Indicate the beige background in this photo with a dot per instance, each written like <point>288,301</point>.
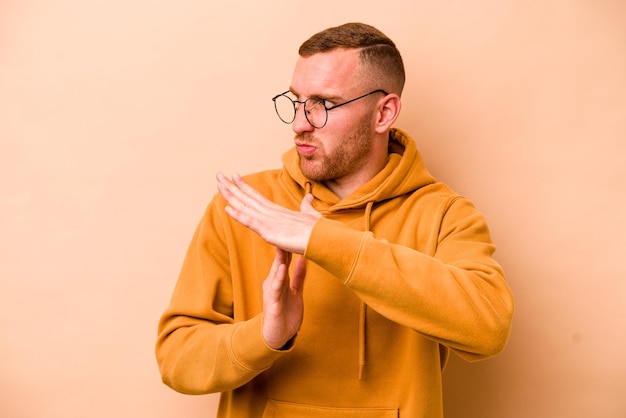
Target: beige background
<point>115,116</point>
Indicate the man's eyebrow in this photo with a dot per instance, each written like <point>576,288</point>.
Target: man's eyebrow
<point>317,96</point>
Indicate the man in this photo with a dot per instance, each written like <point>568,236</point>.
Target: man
<point>337,285</point>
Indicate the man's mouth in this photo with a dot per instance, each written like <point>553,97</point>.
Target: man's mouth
<point>305,149</point>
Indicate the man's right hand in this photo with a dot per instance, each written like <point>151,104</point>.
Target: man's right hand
<point>283,307</point>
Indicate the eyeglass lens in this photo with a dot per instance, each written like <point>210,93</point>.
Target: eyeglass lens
<point>314,110</point>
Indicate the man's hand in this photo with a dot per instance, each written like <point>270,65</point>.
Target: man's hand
<point>282,300</point>
<point>286,229</point>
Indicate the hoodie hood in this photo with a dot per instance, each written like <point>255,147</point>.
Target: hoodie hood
<point>404,173</point>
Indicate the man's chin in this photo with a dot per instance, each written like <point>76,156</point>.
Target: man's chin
<point>312,173</point>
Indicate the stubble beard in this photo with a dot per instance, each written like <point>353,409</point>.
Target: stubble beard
<point>347,158</point>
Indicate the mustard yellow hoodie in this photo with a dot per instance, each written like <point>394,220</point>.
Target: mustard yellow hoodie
<point>398,273</point>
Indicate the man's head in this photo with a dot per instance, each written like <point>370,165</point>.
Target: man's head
<point>343,99</point>
<point>379,59</point>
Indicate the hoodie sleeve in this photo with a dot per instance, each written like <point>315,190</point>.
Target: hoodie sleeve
<point>452,291</point>
<point>200,347</point>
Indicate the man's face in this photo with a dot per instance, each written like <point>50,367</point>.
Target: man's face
<point>339,151</point>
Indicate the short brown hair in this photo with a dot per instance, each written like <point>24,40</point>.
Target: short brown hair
<point>377,52</point>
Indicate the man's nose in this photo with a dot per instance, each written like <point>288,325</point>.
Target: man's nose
<point>301,123</point>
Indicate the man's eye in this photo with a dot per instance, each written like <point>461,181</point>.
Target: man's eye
<point>316,103</point>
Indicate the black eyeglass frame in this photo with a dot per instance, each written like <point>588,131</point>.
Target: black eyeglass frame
<point>295,109</point>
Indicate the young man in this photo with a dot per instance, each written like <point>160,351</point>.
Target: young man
<point>337,285</point>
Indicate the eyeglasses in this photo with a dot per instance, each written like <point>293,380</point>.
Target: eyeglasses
<point>315,109</point>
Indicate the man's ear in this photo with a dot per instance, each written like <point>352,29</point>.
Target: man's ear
<point>388,111</point>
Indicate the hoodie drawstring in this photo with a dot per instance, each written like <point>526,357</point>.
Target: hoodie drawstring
<point>363,308</point>
<point>362,315</point>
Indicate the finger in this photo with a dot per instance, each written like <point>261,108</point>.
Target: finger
<point>279,282</point>
<point>279,258</point>
<point>281,279</point>
<point>222,185</point>
<point>239,206</point>
<point>231,192</point>
<point>297,281</point>
<point>275,284</point>
<point>306,206</point>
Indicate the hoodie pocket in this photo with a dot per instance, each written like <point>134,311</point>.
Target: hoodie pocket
<point>279,409</point>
